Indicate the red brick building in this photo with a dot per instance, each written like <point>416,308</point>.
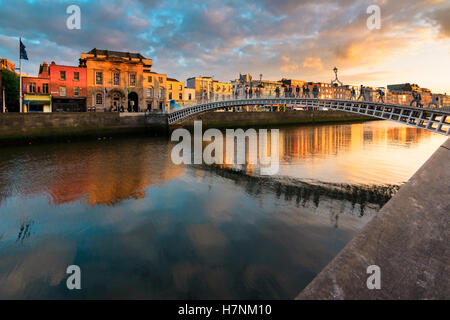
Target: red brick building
<point>67,87</point>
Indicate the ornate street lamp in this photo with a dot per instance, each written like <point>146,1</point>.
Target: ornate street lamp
<point>336,80</point>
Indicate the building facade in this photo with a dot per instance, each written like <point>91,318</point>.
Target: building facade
<point>155,85</point>
<point>67,87</point>
<point>175,90</point>
<point>245,83</point>
<point>115,80</point>
<point>8,65</point>
<point>207,89</point>
<point>36,93</point>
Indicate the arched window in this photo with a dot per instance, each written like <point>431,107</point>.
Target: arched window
<point>99,98</point>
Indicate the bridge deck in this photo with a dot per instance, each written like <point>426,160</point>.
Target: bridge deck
<point>432,119</point>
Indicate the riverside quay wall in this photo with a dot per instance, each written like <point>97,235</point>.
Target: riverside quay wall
<point>17,127</point>
<point>221,119</point>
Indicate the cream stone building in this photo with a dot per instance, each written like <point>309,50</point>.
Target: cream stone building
<point>122,81</point>
<point>206,88</point>
<point>155,88</point>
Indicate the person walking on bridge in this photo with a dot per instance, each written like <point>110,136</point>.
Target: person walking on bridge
<point>353,94</point>
<point>307,92</point>
<point>416,99</point>
<point>297,91</point>
<point>362,93</point>
<point>380,96</point>
<point>315,92</point>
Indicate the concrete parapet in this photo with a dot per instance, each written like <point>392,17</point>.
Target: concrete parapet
<point>409,239</point>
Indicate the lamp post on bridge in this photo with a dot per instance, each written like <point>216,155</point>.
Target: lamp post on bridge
<point>336,83</point>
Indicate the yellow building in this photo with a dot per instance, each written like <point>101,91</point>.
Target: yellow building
<point>155,87</point>
<point>222,90</point>
<point>206,88</point>
<point>34,102</point>
<point>175,90</point>
<point>115,80</point>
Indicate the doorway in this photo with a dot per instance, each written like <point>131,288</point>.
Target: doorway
<point>133,102</point>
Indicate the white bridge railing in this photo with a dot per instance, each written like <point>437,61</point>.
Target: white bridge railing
<point>429,118</point>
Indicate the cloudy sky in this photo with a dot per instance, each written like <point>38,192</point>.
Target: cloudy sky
<point>299,39</point>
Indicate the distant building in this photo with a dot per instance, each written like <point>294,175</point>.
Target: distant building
<point>402,93</point>
<point>175,90</point>
<point>245,82</point>
<point>189,96</point>
<point>8,65</point>
<point>407,87</point>
<point>206,88</point>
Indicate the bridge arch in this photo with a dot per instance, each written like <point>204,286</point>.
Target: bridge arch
<point>431,119</point>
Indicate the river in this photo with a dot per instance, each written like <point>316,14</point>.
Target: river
<point>139,226</point>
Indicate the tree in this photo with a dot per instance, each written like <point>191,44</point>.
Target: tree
<point>10,82</point>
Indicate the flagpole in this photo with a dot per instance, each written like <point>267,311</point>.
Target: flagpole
<point>4,102</point>
<point>20,80</point>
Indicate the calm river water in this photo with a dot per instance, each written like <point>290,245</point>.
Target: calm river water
<point>139,226</point>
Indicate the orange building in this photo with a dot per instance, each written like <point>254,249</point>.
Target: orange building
<point>115,80</point>
<point>8,65</point>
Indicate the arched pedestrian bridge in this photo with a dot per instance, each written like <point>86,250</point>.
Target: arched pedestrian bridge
<point>432,119</point>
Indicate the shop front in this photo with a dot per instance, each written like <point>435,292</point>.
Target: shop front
<point>37,103</point>
<point>69,104</point>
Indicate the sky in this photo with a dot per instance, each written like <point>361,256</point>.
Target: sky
<point>295,39</point>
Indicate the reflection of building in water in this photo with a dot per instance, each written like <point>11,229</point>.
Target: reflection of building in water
<point>103,173</point>
<point>328,140</point>
<point>320,141</point>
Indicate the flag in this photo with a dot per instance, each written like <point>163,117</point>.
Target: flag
<point>23,53</point>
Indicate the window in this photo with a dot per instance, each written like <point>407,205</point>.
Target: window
<point>190,96</point>
<point>132,79</point>
<point>98,78</point>
<point>32,87</point>
<point>116,78</point>
<point>149,92</point>
<point>76,91</point>
<point>170,86</point>
<point>170,96</point>
<point>62,91</point>
<point>150,79</point>
<point>160,79</point>
<point>45,88</point>
<point>99,98</point>
<point>62,75</point>
<point>181,87</point>
<point>76,76</point>
<point>180,96</point>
